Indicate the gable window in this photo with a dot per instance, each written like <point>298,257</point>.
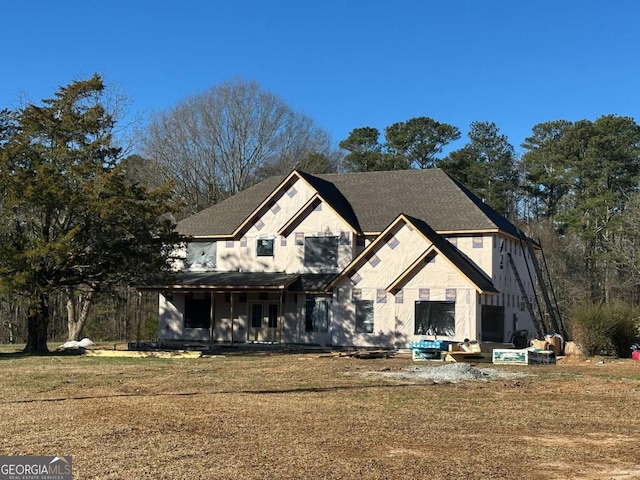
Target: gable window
<point>321,252</point>
<point>264,247</point>
<point>364,316</point>
<point>435,318</point>
<point>316,314</point>
<point>201,256</point>
<point>197,310</point>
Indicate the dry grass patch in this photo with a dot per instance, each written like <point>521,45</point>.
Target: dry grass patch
<point>301,416</point>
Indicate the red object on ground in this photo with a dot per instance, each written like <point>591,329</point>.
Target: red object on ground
<point>636,355</point>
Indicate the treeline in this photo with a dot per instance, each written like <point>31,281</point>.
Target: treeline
<point>70,192</point>
<point>121,315</point>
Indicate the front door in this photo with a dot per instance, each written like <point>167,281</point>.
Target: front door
<point>263,326</point>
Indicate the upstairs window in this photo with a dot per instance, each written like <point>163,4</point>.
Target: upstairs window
<point>264,247</point>
<point>321,252</point>
<point>201,256</point>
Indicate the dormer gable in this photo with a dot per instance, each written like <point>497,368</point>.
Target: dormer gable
<point>435,245</point>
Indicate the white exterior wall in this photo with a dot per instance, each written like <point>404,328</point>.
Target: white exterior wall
<point>321,222</point>
<point>343,328</point>
<point>171,321</point>
<point>375,276</point>
<point>241,255</point>
<point>504,279</point>
<point>222,318</point>
<point>394,322</point>
<point>482,256</point>
<point>295,321</point>
<point>287,256</point>
<point>438,276</point>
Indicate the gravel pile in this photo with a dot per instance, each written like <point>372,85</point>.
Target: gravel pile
<point>452,373</point>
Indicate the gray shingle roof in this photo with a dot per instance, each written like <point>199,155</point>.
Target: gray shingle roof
<point>431,195</point>
<point>224,217</point>
<point>369,201</point>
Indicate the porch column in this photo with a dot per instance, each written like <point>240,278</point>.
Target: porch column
<point>231,315</point>
<point>281,308</point>
<point>212,316</point>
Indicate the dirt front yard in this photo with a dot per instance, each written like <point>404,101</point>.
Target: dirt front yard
<point>283,416</point>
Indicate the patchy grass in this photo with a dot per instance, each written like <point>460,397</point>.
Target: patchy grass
<point>304,416</point>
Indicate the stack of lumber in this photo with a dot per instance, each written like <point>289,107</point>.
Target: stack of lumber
<point>468,351</point>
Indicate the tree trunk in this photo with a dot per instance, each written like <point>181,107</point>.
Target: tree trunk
<point>37,327</point>
<point>77,320</point>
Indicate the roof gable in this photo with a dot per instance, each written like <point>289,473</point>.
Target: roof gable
<point>436,245</point>
<point>459,261</point>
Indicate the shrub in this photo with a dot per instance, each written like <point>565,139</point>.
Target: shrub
<point>608,329</point>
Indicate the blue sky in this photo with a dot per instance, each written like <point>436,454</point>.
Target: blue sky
<point>346,64</point>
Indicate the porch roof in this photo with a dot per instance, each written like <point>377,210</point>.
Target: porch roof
<point>227,281</point>
<point>312,283</point>
<point>244,281</point>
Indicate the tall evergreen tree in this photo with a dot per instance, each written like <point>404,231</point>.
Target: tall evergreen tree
<point>367,154</point>
<point>486,165</point>
<point>419,140</point>
<point>75,221</point>
<point>411,144</point>
<point>584,173</point>
<point>546,174</point>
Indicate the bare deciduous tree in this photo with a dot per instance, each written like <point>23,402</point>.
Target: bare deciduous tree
<point>217,143</point>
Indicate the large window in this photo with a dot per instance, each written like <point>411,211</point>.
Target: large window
<point>321,252</point>
<point>364,316</point>
<point>197,310</point>
<point>201,256</point>
<point>435,318</point>
<point>316,314</point>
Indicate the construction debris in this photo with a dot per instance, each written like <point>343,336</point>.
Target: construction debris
<point>468,351</point>
<point>369,354</point>
<point>143,354</point>
<point>451,373</point>
<point>526,356</point>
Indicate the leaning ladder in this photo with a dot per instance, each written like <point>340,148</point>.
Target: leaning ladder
<point>553,318</point>
<point>537,322</point>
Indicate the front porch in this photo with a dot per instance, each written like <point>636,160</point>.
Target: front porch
<point>228,308</point>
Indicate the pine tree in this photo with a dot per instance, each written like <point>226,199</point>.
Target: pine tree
<point>73,222</point>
